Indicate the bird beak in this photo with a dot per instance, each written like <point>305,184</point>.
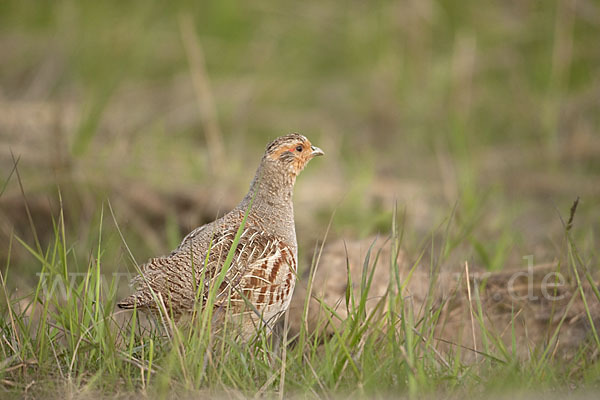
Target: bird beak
<point>316,151</point>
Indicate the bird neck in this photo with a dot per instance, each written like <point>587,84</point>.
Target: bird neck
<point>270,187</point>
<point>271,197</point>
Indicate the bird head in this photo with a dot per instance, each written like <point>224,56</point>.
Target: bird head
<point>291,153</point>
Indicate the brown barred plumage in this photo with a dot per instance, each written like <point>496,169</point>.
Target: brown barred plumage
<point>259,283</point>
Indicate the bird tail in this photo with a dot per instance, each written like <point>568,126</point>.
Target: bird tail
<point>128,303</point>
<point>138,299</point>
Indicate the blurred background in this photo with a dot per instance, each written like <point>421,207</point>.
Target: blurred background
<point>479,120</point>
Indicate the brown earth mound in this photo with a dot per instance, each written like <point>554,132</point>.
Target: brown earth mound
<point>540,308</point>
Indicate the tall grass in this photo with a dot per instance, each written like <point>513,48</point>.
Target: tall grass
<point>494,103</point>
<point>66,336</point>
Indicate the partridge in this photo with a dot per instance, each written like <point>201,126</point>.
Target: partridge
<point>260,279</point>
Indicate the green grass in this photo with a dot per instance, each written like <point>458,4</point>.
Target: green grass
<point>483,111</point>
<point>66,337</point>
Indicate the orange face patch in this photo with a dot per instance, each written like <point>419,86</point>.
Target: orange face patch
<point>291,149</point>
<point>289,154</point>
<point>304,154</point>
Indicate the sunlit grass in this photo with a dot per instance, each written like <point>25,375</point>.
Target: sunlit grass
<point>66,334</point>
<point>479,119</point>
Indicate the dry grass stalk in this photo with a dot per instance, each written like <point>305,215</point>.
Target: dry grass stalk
<point>201,81</point>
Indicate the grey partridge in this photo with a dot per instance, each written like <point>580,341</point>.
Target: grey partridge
<point>259,282</point>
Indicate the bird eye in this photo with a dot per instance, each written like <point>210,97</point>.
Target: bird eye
<point>299,148</point>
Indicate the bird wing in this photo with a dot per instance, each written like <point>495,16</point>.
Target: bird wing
<point>262,267</point>
<point>189,272</point>
<point>198,232</point>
